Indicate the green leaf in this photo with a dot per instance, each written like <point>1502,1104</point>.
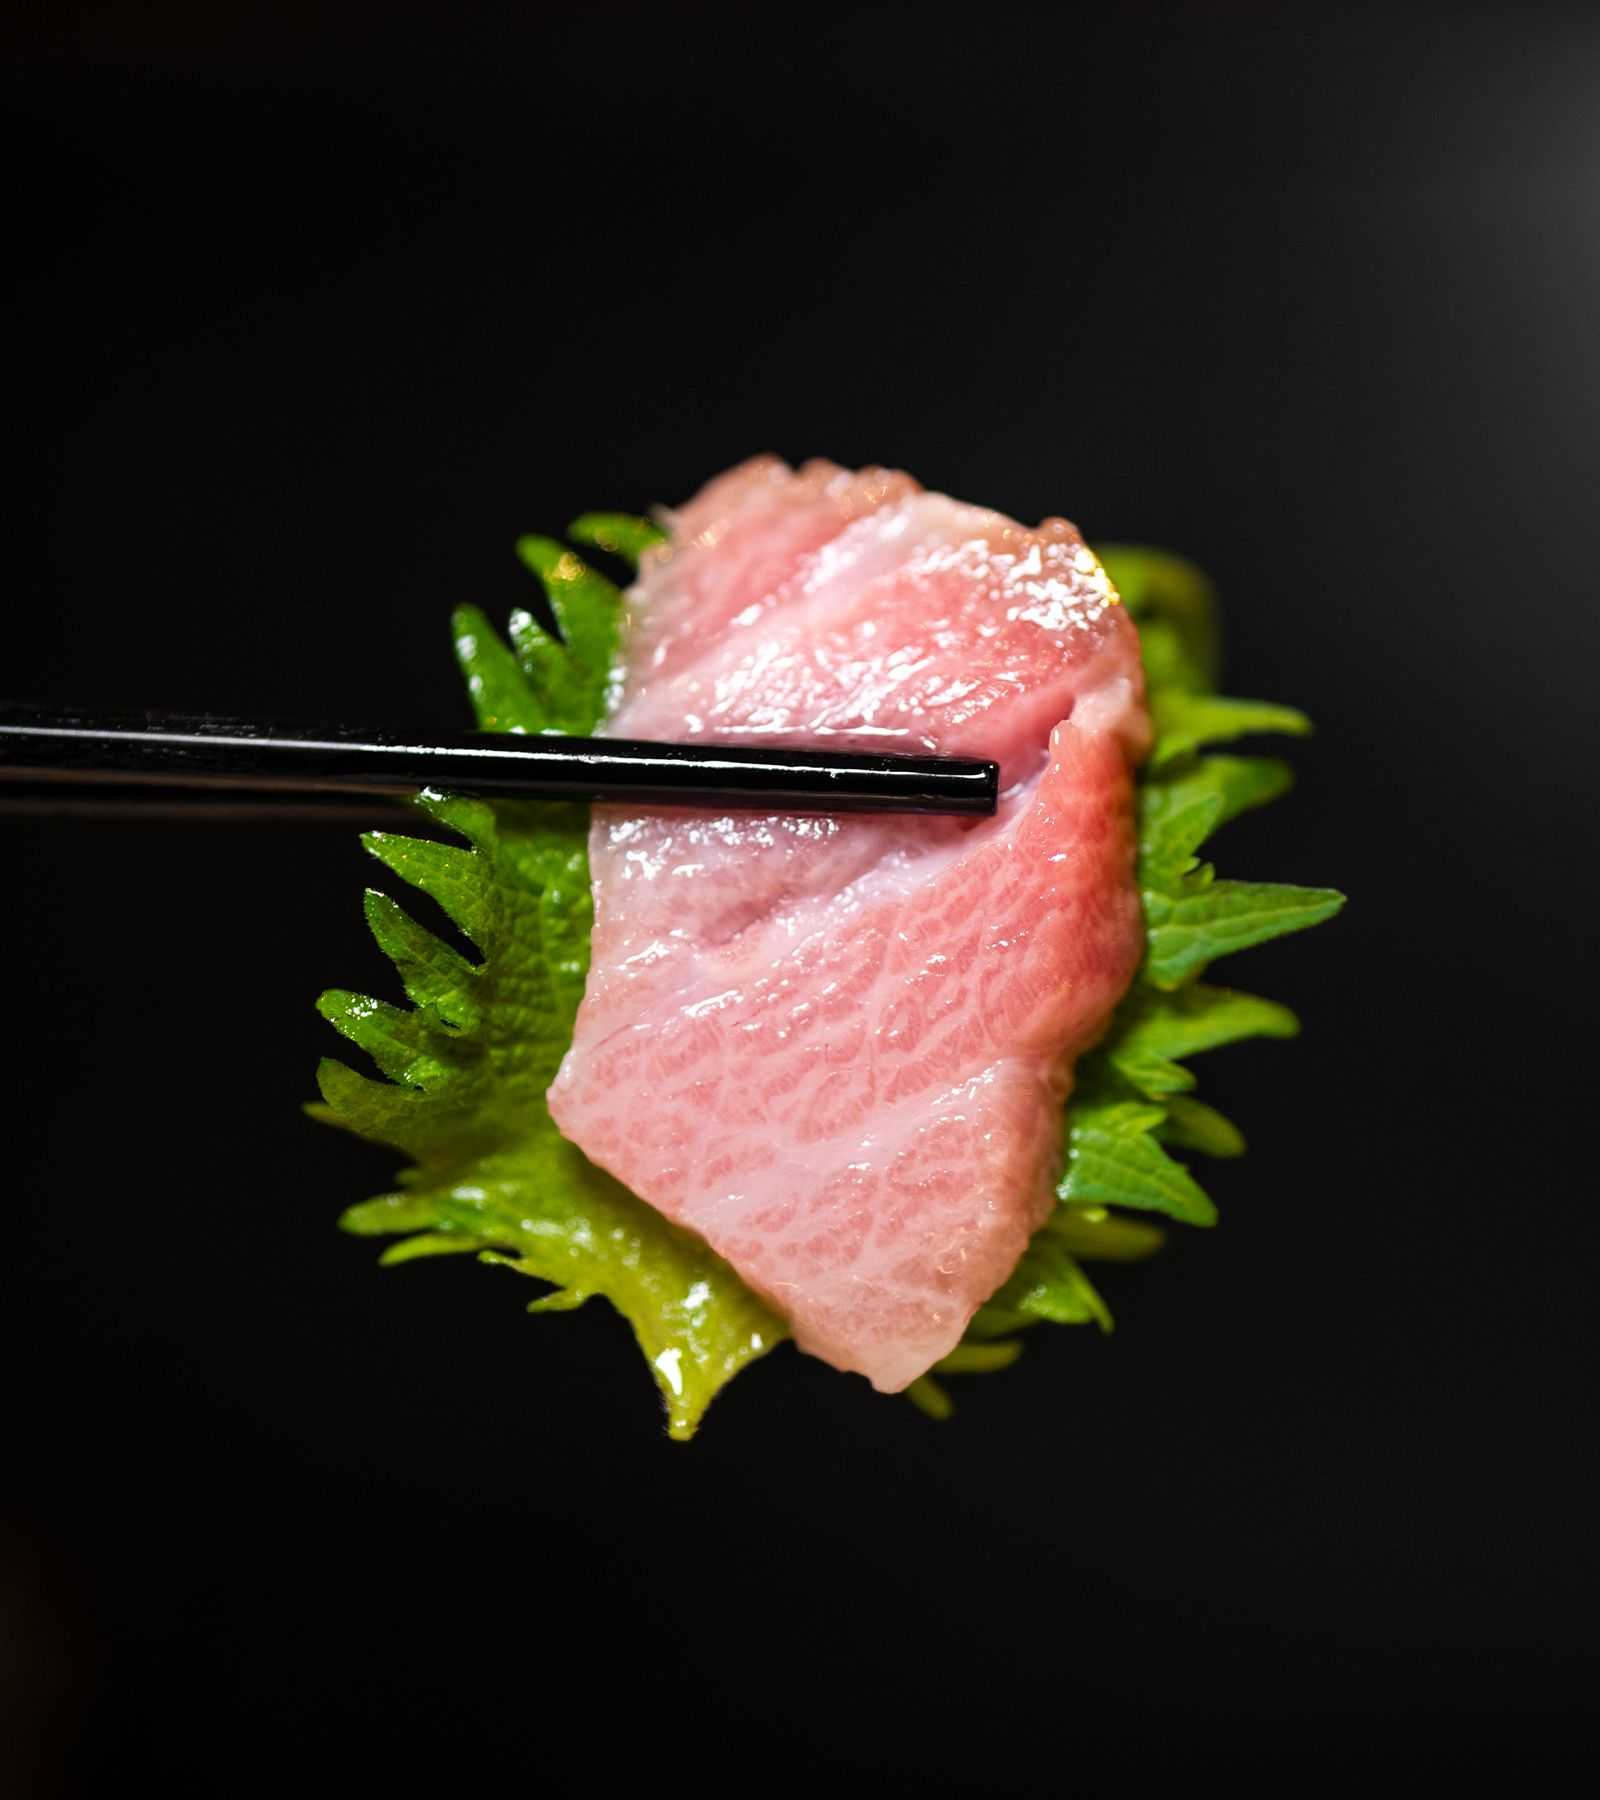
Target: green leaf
<point>1198,1018</point>
<point>388,1213</point>
<point>1184,721</point>
<point>426,1244</point>
<point>622,534</point>
<point>406,1043</point>
<point>1092,1234</point>
<point>1153,1030</point>
<point>445,873</point>
<point>1114,1159</point>
<point>1048,1284</point>
<point>929,1396</point>
<point>496,685</point>
<point>1175,607</point>
<point>570,680</point>
<point>432,974</point>
<point>1192,1125</point>
<point>1179,811</point>
<point>979,1359</point>
<point>1207,919</point>
<point>468,1062</point>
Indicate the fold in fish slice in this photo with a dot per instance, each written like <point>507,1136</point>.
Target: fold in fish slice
<point>837,1047</point>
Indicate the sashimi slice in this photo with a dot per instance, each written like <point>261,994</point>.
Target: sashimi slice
<point>838,1047</point>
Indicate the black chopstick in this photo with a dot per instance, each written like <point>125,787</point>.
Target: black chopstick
<point>52,744</point>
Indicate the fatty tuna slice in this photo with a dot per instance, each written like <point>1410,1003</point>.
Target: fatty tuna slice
<point>838,1047</point>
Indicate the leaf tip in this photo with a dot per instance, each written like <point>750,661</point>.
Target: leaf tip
<point>930,1398</point>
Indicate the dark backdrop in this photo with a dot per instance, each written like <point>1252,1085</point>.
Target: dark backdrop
<point>309,323</point>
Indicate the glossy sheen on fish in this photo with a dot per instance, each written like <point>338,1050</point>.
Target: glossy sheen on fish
<point>837,1047</point>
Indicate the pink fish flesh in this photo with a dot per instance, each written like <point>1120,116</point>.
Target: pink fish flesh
<point>837,1047</point>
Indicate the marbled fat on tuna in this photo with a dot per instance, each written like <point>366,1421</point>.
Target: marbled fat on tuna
<point>837,1048</point>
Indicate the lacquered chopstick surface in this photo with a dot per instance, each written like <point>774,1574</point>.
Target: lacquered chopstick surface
<point>60,744</point>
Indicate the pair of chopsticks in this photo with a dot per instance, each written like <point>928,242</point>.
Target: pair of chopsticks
<point>278,768</point>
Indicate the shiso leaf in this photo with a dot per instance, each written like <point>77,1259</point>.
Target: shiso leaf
<point>1192,1125</point>
<point>569,678</point>
<point>433,975</point>
<point>1094,1235</point>
<point>980,1359</point>
<point>466,1065</point>
<point>621,534</point>
<point>1186,721</point>
<point>468,1062</point>
<point>1047,1284</point>
<point>496,684</point>
<point>1204,918</point>
<point>1115,1159</point>
<point>1154,1029</point>
<point>930,1397</point>
<point>1178,814</point>
<point>1174,605</point>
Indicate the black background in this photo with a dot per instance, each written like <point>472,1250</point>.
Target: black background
<point>312,319</point>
